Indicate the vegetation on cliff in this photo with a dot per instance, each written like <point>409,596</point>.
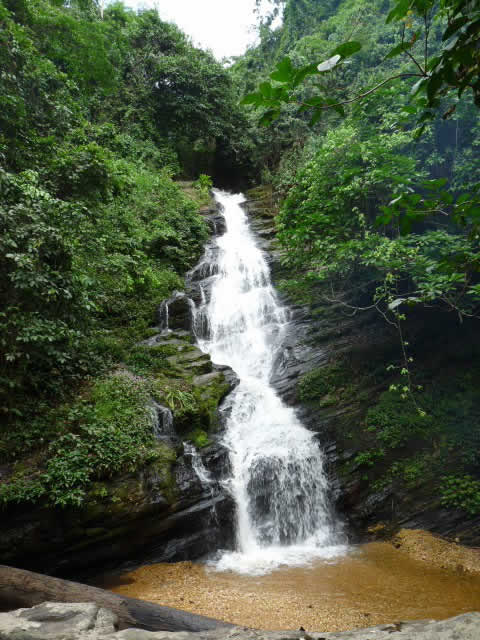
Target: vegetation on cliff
<point>372,151</point>
<point>99,113</point>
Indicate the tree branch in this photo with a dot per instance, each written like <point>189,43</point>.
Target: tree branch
<point>362,95</point>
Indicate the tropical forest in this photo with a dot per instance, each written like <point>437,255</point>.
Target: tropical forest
<point>239,323</point>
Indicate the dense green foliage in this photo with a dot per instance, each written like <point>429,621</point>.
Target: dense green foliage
<point>107,431</point>
<point>362,198</point>
<point>454,65</point>
<point>378,201</point>
<point>98,115</point>
<point>101,112</point>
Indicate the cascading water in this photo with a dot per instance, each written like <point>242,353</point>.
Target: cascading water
<point>202,473</point>
<point>278,482</point>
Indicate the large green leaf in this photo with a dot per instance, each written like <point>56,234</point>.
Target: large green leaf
<point>266,89</point>
<point>303,73</point>
<point>268,117</point>
<point>347,49</point>
<point>284,71</point>
<point>316,117</point>
<point>253,98</point>
<point>399,10</point>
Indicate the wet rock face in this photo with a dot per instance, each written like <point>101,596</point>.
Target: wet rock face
<point>353,351</point>
<point>199,285</point>
<point>144,518</point>
<point>297,356</point>
<point>176,312</point>
<point>214,218</point>
<point>162,512</point>
<point>363,493</point>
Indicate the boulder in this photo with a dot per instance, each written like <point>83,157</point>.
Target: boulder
<point>58,621</point>
<point>176,312</point>
<point>88,621</point>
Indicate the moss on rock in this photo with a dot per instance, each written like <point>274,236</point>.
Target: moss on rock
<point>106,431</point>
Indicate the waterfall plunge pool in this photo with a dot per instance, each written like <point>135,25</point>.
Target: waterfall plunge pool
<point>278,483</point>
<point>372,584</point>
<point>291,566</point>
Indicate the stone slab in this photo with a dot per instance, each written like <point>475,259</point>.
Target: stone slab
<point>87,621</point>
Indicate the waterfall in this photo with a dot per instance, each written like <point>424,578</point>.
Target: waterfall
<point>278,481</point>
<point>162,422</point>
<point>163,316</point>
<point>204,476</point>
<point>202,473</point>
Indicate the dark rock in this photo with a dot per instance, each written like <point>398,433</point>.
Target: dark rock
<point>215,220</point>
<point>229,375</point>
<point>297,356</point>
<point>320,336</point>
<point>176,312</point>
<point>148,516</point>
<point>208,265</point>
<point>162,512</point>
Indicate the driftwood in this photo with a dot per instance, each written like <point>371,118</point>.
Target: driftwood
<point>19,588</point>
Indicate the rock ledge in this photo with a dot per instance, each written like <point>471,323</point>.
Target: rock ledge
<point>88,621</point>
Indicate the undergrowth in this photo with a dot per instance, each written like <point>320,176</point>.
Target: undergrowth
<point>107,430</point>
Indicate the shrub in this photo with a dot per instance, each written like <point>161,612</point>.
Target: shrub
<point>107,432</point>
<point>88,172</point>
<point>461,492</point>
<point>396,421</point>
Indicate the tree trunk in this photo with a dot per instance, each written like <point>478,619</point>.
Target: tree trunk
<point>19,588</point>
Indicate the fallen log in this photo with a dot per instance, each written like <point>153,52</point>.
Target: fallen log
<point>20,588</point>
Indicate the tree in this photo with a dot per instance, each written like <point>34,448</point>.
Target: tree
<point>354,214</point>
<point>453,67</point>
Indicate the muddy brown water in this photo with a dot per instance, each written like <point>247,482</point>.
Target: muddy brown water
<point>373,584</point>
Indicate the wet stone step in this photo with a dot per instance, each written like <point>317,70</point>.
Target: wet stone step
<point>190,355</point>
<point>208,378</point>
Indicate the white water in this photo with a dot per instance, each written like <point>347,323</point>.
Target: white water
<point>202,473</point>
<point>278,482</point>
<point>162,422</point>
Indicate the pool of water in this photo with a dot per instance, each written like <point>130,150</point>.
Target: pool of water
<point>372,584</point>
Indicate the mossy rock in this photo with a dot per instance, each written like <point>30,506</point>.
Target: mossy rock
<point>429,443</point>
<point>326,385</point>
<point>192,362</point>
<point>199,438</point>
<point>210,397</point>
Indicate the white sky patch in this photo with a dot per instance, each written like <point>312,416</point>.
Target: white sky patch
<point>224,26</point>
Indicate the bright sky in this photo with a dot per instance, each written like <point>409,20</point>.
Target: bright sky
<point>224,26</point>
